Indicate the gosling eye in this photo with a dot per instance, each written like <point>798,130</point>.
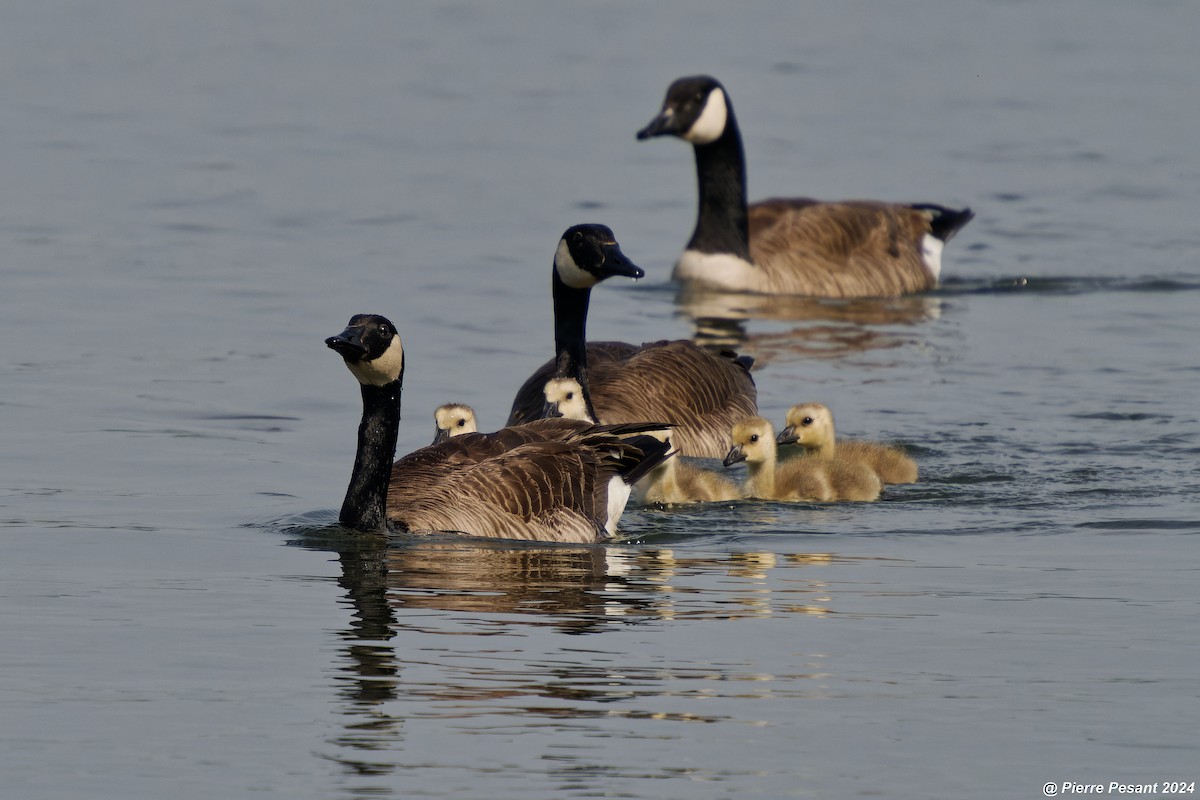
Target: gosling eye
<point>462,423</point>
<point>806,421</point>
<point>570,395</point>
<point>754,438</point>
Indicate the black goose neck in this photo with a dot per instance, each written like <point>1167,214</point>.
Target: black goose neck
<point>722,225</point>
<point>365,506</point>
<point>570,335</point>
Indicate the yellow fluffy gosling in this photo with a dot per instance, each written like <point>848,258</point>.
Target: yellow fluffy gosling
<point>810,425</point>
<point>803,479</point>
<point>453,419</point>
<point>675,481</point>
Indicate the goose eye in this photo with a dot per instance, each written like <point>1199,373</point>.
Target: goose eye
<point>578,236</point>
<point>385,331</point>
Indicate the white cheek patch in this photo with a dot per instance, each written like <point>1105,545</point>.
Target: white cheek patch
<point>709,126</point>
<point>569,272</point>
<point>383,370</point>
<point>931,254</point>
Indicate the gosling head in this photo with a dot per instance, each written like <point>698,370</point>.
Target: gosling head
<point>371,349</point>
<point>587,254</point>
<point>808,425</point>
<point>564,398</point>
<point>453,419</point>
<point>695,110</point>
<point>753,442</point>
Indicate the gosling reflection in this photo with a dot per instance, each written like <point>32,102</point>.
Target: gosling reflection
<point>583,590</point>
<point>574,590</point>
<point>827,329</point>
<point>421,642</point>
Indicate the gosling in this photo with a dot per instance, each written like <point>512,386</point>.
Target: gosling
<point>675,482</point>
<point>453,419</point>
<point>810,425</point>
<point>814,479</point>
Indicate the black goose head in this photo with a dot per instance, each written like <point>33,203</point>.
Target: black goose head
<point>371,349</point>
<point>587,254</point>
<point>696,110</point>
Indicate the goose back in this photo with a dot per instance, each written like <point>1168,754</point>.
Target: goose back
<point>549,481</point>
<point>700,393</point>
<point>842,250</point>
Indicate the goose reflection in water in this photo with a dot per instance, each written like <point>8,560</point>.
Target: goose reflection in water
<point>403,658</point>
<point>824,328</point>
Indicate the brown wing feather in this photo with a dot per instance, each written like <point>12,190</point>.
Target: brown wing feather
<point>699,392</point>
<point>846,249</point>
<point>546,482</point>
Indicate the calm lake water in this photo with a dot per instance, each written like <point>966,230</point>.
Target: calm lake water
<point>195,195</point>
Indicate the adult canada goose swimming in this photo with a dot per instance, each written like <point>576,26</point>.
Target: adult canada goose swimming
<point>804,479</point>
<point>792,245</point>
<point>552,480</point>
<point>810,425</point>
<point>699,392</point>
<point>453,419</point>
<point>671,482</point>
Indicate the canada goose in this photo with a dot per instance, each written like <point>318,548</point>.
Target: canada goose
<point>701,393</point>
<point>553,480</point>
<point>810,425</point>
<point>672,481</point>
<point>792,245</point>
<point>811,479</point>
<point>453,419</point>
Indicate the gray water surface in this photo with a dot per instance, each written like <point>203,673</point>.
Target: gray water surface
<point>195,196</point>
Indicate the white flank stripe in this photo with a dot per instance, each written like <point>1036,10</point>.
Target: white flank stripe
<point>721,270</point>
<point>931,254</point>
<point>618,496</point>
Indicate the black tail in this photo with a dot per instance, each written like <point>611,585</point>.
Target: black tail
<point>654,452</point>
<point>945,222</point>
